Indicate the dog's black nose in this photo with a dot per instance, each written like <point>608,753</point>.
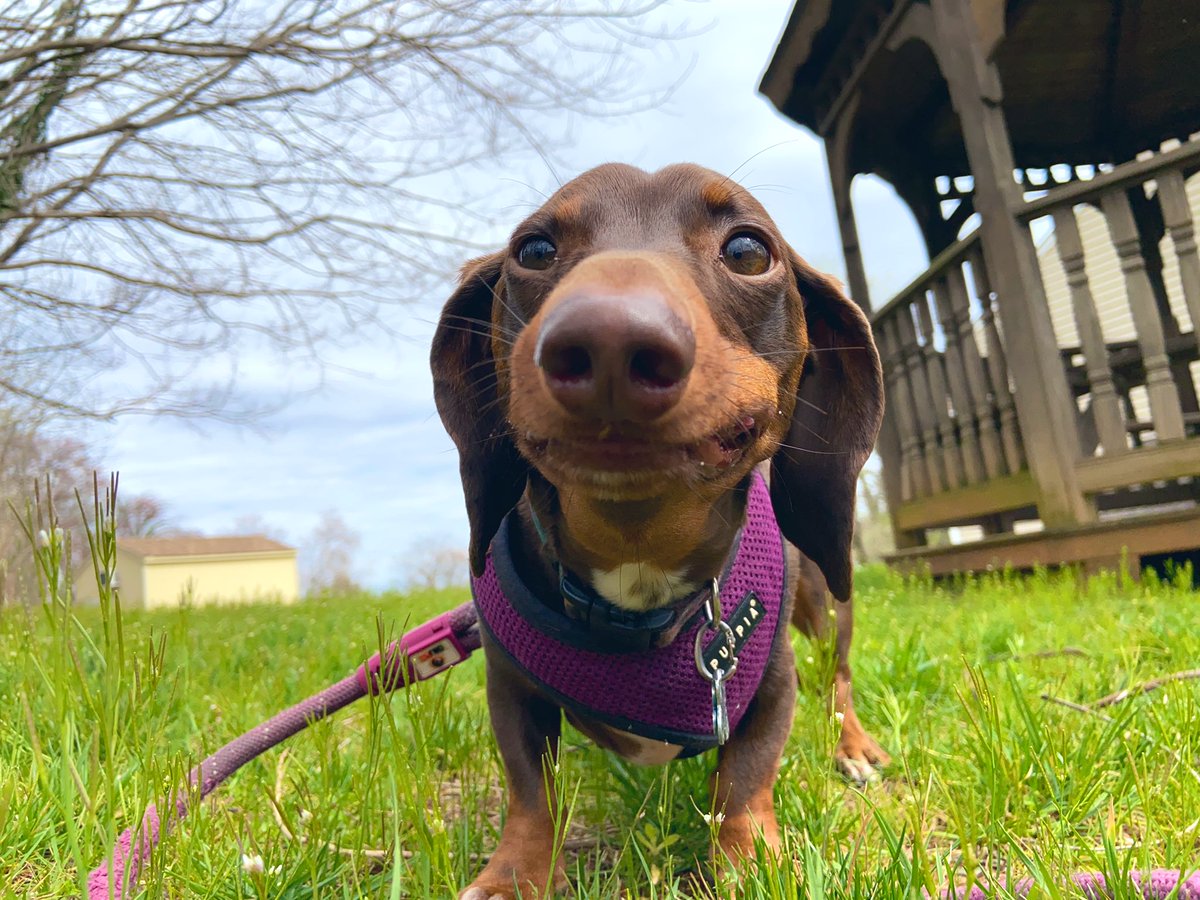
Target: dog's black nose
<point>617,357</point>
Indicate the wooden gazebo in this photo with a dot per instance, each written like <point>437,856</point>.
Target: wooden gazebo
<point>1008,126</point>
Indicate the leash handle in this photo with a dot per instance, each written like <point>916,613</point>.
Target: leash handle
<point>425,651</point>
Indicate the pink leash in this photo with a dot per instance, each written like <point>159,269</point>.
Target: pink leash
<point>421,653</point>
<point>428,650</point>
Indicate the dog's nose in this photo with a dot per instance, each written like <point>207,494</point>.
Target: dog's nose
<point>622,357</point>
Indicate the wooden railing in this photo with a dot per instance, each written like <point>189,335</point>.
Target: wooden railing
<point>947,377</point>
<point>1160,355</point>
<point>943,348</point>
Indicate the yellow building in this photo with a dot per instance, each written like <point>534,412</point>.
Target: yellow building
<point>157,572</point>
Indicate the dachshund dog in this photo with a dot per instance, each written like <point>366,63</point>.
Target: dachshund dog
<point>613,380</point>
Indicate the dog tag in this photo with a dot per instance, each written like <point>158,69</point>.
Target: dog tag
<point>720,712</point>
<point>715,673</point>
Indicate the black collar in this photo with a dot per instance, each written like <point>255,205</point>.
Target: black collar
<point>626,629</point>
<point>588,620</point>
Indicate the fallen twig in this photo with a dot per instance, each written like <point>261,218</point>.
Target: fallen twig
<point>1144,688</point>
<point>1091,710</point>
<point>1040,654</point>
<point>1078,707</point>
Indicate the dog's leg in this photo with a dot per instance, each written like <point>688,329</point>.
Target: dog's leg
<point>527,729</point>
<point>743,785</point>
<point>857,752</point>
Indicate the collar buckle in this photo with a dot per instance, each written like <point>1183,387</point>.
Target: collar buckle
<point>612,627</point>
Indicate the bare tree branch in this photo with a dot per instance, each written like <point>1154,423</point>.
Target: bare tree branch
<point>189,178</point>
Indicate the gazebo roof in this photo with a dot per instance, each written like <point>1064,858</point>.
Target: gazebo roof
<point>1087,81</point>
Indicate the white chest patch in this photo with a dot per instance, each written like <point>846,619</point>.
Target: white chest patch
<point>640,586</point>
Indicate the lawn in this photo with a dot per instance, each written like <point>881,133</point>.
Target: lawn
<point>402,798</point>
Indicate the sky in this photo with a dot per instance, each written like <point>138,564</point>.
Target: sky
<point>369,443</point>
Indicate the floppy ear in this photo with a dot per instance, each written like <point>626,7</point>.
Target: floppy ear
<point>839,406</point>
<point>467,396</point>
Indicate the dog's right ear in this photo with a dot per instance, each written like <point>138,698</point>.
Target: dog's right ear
<point>467,397</point>
<point>839,407</point>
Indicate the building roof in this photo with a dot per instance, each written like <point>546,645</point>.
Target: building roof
<point>202,546</point>
<point>1084,82</point>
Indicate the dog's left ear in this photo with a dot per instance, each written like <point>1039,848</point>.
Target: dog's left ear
<point>839,407</point>
<point>467,395</point>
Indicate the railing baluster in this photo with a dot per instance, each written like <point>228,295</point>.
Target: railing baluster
<point>1010,428</point>
<point>989,439</point>
<point>939,395</point>
<point>964,408</point>
<point>914,481</point>
<point>1160,386</point>
<point>1177,216</point>
<point>1106,407</point>
<point>926,416</point>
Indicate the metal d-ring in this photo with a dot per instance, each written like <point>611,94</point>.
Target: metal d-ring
<point>718,676</point>
<point>713,622</point>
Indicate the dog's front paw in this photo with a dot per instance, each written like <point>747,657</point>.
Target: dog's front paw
<point>742,836</point>
<point>474,892</point>
<point>507,881</point>
<point>859,757</point>
<point>480,892</point>
<point>487,890</point>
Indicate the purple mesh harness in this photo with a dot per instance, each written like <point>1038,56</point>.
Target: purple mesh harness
<point>657,693</point>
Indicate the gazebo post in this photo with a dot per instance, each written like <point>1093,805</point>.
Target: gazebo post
<point>840,177</point>
<point>1044,407</point>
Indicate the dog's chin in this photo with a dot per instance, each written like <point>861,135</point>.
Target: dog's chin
<point>625,467</point>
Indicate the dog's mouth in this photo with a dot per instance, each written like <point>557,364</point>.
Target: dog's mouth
<point>624,451</point>
<point>724,448</point>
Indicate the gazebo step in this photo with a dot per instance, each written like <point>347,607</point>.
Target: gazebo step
<point>1095,546</point>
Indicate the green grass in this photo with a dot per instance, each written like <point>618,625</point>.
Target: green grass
<point>103,713</point>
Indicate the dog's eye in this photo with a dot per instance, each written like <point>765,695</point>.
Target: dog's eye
<point>744,254</point>
<point>536,253</point>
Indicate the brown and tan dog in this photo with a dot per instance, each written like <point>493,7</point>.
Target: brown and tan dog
<point>617,373</point>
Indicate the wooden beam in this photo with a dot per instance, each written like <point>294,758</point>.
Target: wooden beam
<point>1125,175</point>
<point>1098,544</point>
<point>850,86</point>
<point>794,46</point>
<point>989,21</point>
<point>963,505</point>
<point>841,178</point>
<point>1175,460</point>
<point>1044,406</point>
<point>952,255</point>
<point>837,149</point>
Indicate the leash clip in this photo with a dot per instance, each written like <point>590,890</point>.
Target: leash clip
<point>714,673</point>
<point>427,650</point>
